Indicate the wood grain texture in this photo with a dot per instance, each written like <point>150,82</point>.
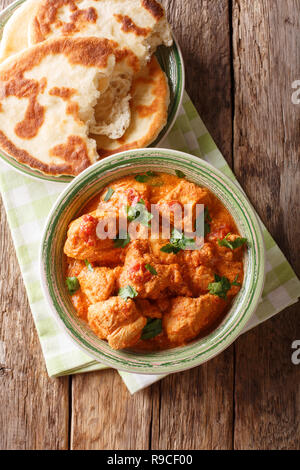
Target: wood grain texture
<point>196,408</point>
<point>34,409</point>
<point>202,28</point>
<point>266,43</point>
<point>105,416</point>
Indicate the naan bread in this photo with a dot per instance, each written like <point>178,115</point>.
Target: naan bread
<point>47,94</point>
<point>149,112</point>
<point>15,32</point>
<point>139,25</point>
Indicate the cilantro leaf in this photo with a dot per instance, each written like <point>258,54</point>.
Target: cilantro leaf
<point>88,265</point>
<point>179,174</point>
<point>235,283</point>
<point>72,284</point>
<point>221,286</point>
<point>109,194</point>
<point>127,292</point>
<point>144,178</point>
<point>139,213</point>
<point>141,178</point>
<point>152,329</point>
<point>177,243</point>
<point>232,245</point>
<point>121,242</point>
<point>151,269</point>
<point>169,248</point>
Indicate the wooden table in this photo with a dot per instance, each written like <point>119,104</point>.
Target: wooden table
<point>242,57</point>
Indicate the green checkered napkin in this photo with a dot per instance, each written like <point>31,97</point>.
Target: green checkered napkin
<point>28,202</point>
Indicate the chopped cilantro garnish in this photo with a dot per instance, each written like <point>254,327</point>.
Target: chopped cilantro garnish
<point>180,174</point>
<point>144,178</point>
<point>232,245</point>
<point>109,194</point>
<point>177,243</point>
<point>127,292</point>
<point>235,283</point>
<point>152,329</point>
<point>72,284</point>
<point>221,286</point>
<point>88,265</point>
<point>139,213</point>
<point>151,269</point>
<point>121,242</point>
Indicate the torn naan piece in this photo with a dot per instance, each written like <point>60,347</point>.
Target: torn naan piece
<point>47,95</point>
<point>149,112</point>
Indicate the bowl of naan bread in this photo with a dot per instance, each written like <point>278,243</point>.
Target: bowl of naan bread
<point>81,80</point>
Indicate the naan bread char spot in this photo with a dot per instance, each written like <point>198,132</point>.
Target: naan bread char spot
<point>44,123</point>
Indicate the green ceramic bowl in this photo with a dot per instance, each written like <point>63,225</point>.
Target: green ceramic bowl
<point>171,61</point>
<point>87,185</point>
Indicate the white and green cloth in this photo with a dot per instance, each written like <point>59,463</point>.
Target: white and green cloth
<point>28,201</point>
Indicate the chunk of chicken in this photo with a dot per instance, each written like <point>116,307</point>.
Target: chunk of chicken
<point>185,193</point>
<point>82,241</point>
<point>188,317</point>
<point>227,253</point>
<point>98,284</point>
<point>234,272</point>
<point>188,193</point>
<point>206,255</point>
<point>199,278</point>
<point>118,321</point>
<point>160,256</point>
<point>75,266</point>
<point>148,309</point>
<point>150,285</point>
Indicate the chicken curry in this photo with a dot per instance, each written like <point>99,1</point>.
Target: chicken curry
<point>150,293</point>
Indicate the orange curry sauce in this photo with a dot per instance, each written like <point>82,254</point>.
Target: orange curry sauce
<point>179,292</point>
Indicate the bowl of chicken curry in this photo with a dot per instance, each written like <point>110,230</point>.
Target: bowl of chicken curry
<point>131,284</point>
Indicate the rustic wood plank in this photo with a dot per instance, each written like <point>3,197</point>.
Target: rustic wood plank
<point>104,415</point>
<point>34,408</point>
<point>196,409</point>
<point>266,44</point>
<point>202,29</point>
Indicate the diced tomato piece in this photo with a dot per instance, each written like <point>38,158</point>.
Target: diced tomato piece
<point>133,196</point>
<point>219,233</point>
<point>87,230</point>
<point>139,273</point>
